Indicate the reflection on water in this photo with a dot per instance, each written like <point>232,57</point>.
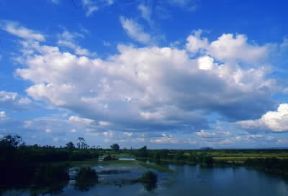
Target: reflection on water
<point>85,179</point>
<point>126,159</point>
<point>185,181</point>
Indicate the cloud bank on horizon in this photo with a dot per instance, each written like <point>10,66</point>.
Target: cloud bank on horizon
<point>118,76</point>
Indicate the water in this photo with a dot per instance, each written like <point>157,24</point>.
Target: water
<point>196,181</point>
<point>185,181</point>
<point>126,159</point>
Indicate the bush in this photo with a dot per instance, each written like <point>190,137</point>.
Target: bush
<point>85,178</point>
<point>149,180</point>
<point>109,158</point>
<point>47,175</point>
<point>50,178</point>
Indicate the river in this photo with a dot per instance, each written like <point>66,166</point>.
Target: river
<point>185,181</point>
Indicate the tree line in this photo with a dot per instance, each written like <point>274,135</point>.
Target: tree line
<point>24,165</point>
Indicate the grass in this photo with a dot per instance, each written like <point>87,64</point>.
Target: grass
<point>89,162</point>
<point>238,157</point>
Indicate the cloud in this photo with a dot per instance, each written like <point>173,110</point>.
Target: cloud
<point>2,115</point>
<point>212,134</point>
<point>165,139</point>
<point>205,63</point>
<point>49,129</point>
<point>67,39</point>
<point>135,31</point>
<point>20,31</point>
<point>78,120</point>
<point>276,121</point>
<point>195,43</point>
<point>228,48</point>
<point>12,100</point>
<point>158,88</point>
<point>91,6</point>
<point>191,5</point>
<point>145,12</point>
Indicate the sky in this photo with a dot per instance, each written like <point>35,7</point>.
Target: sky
<point>165,74</point>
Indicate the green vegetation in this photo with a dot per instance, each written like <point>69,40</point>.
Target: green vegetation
<point>109,158</point>
<point>50,178</point>
<point>149,179</point>
<point>269,160</point>
<point>85,178</point>
<point>40,167</point>
<point>45,168</point>
<point>270,165</point>
<point>115,147</point>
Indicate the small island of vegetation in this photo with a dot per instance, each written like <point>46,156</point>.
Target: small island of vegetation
<point>45,169</point>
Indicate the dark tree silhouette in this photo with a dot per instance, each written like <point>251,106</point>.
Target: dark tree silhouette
<point>85,178</point>
<point>70,146</point>
<point>149,180</point>
<point>12,141</point>
<point>115,147</point>
<point>81,143</point>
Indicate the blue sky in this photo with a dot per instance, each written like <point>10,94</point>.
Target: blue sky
<point>166,74</point>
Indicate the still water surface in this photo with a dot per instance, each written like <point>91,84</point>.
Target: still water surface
<point>186,181</point>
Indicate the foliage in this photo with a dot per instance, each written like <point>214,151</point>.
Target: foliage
<point>85,178</point>
<point>70,146</point>
<point>51,178</point>
<point>10,141</point>
<point>40,166</point>
<point>48,174</point>
<point>37,166</point>
<point>141,152</point>
<point>115,147</point>
<point>82,143</point>
<point>271,165</point>
<point>109,158</point>
<point>149,180</point>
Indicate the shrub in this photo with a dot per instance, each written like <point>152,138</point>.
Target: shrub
<point>149,180</point>
<point>85,178</point>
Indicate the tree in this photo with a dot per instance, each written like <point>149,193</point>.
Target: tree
<point>115,147</point>
<point>70,146</point>
<point>85,178</point>
<point>142,152</point>
<point>149,180</point>
<point>81,143</point>
<point>144,149</point>
<point>12,141</point>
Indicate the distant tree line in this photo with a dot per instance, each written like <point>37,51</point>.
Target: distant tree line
<point>206,158</point>
<point>24,165</point>
<point>271,165</point>
<point>35,166</point>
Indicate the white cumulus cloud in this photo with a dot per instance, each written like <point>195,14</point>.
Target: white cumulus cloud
<point>276,121</point>
<point>196,43</point>
<point>227,48</point>
<point>155,86</point>
<point>150,87</point>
